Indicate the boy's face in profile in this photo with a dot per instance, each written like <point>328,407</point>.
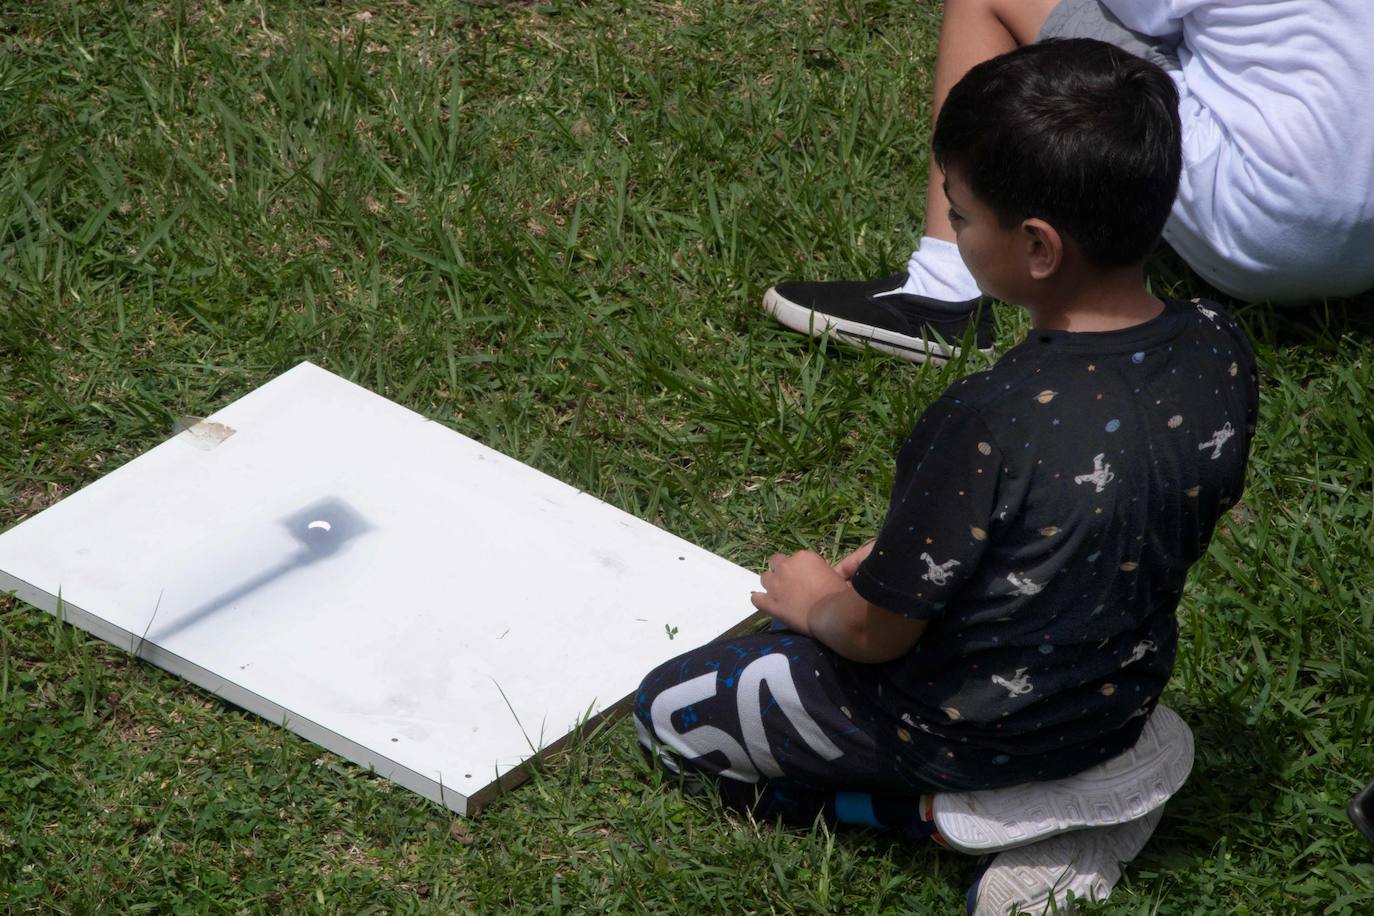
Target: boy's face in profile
<point>996,256</point>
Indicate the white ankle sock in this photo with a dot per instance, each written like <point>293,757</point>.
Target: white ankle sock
<point>936,270</point>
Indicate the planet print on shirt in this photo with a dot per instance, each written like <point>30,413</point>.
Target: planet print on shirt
<point>1046,396</point>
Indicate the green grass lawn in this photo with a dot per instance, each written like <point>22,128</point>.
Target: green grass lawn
<point>548,226</point>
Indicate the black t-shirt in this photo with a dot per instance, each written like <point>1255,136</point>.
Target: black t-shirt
<point>1044,515</point>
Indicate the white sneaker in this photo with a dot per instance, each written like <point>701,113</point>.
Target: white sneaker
<point>1040,878</point>
<point>1125,788</point>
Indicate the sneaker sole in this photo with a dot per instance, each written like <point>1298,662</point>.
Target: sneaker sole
<point>818,324</point>
<point>1038,878</point>
<point>1125,788</point>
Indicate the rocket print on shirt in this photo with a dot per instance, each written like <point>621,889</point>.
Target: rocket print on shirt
<point>937,573</point>
<point>1023,585</point>
<point>1145,645</point>
<point>1101,474</point>
<point>1219,438</point>
<point>1019,683</point>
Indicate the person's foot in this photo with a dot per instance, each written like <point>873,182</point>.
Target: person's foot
<point>1123,789</point>
<point>875,313</point>
<point>1040,878</point>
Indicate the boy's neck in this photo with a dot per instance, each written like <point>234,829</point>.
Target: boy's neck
<point>1096,301</point>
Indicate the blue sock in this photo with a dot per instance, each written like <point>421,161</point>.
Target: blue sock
<point>884,812</point>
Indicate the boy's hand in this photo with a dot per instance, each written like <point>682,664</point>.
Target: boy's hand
<point>847,567</point>
<point>794,584</point>
<point>816,599</point>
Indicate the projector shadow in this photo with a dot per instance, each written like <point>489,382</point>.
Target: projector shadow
<point>323,529</point>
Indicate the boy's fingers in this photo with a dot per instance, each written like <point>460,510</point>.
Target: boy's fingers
<point>850,564</point>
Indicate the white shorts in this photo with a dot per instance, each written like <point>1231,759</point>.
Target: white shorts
<point>1239,250</point>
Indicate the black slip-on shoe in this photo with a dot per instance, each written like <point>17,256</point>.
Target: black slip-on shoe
<point>915,328</point>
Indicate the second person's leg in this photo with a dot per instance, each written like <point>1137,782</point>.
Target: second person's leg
<point>929,311</point>
<point>971,32</point>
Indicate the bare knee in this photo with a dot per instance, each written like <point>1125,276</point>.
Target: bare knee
<point>1022,19</point>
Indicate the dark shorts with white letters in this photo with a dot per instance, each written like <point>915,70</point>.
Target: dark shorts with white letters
<point>771,718</point>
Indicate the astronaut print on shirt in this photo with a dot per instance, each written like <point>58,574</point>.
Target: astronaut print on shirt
<point>1043,517</point>
<point>1101,474</point>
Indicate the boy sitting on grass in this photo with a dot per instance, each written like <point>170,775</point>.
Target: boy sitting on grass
<point>1012,625</point>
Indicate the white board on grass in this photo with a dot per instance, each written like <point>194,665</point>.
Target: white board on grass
<point>377,583</point>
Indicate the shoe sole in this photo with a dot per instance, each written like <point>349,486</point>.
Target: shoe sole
<point>1039,878</point>
<point>818,324</point>
<point>1125,788</point>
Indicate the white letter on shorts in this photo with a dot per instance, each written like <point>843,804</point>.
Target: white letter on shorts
<point>778,673</point>
<point>697,742</point>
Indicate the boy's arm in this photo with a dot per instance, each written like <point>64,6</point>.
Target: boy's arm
<point>812,597</point>
<point>944,493</point>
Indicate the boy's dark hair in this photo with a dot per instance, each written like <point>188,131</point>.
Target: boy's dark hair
<point>1075,132</point>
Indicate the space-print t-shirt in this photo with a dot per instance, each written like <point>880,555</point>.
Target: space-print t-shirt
<point>1043,518</point>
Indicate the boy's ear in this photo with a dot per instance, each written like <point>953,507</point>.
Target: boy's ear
<point>1044,248</point>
